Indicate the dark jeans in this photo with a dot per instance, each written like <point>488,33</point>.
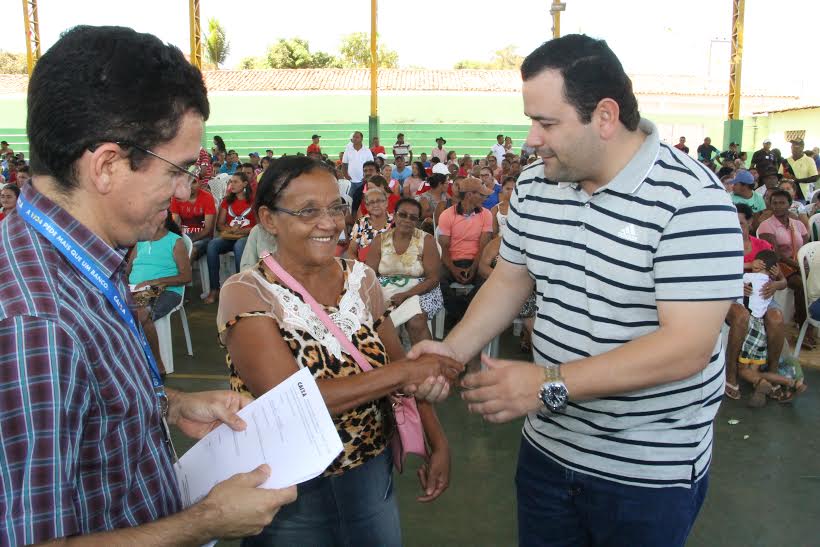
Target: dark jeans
<point>219,246</point>
<point>558,507</point>
<point>355,509</point>
<point>456,303</point>
<point>814,310</point>
<point>200,247</point>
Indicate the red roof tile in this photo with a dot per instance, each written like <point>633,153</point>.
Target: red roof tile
<point>478,81</point>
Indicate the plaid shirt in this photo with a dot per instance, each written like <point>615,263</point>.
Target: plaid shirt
<point>81,442</point>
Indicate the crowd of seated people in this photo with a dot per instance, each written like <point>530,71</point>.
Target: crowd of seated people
<point>774,210</point>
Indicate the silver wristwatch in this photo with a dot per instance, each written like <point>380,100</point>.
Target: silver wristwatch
<point>553,392</point>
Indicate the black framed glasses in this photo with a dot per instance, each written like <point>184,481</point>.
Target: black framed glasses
<point>315,213</point>
<point>407,216</point>
<point>193,171</point>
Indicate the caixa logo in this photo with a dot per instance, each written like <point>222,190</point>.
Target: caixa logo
<point>302,389</point>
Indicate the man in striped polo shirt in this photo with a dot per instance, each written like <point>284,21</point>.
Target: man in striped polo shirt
<point>635,253</point>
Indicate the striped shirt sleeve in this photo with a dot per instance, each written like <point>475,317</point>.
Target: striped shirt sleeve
<point>512,242</point>
<point>43,393</point>
<point>700,254</point>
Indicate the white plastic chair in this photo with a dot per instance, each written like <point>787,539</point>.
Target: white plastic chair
<point>219,187</point>
<point>491,349</point>
<point>814,229</point>
<point>808,257</point>
<point>163,324</point>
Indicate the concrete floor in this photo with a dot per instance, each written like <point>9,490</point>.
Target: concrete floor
<point>765,475</point>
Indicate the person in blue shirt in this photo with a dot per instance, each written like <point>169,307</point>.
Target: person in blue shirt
<point>231,163</point>
<point>401,171</point>
<point>488,180</point>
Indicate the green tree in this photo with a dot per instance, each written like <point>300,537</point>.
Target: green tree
<point>325,60</point>
<point>253,63</point>
<point>217,45</point>
<point>355,51</point>
<point>290,53</point>
<point>505,59</point>
<point>13,63</point>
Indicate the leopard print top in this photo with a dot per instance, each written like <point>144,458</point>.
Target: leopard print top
<point>363,430</point>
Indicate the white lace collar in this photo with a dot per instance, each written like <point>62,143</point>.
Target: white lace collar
<point>350,316</point>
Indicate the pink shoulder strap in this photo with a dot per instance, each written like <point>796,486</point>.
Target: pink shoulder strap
<point>317,308</point>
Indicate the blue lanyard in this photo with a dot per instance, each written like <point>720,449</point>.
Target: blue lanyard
<point>89,267</point>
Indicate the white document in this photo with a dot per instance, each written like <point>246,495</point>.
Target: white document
<point>289,428</point>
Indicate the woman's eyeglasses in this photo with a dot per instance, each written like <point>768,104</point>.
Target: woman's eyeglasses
<point>407,216</point>
<point>315,213</point>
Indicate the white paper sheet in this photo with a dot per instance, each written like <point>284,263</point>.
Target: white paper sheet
<point>289,428</point>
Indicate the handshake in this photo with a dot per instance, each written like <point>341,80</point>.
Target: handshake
<point>504,390</point>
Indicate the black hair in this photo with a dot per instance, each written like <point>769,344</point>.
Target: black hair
<point>745,210</point>
<point>434,160</point>
<point>499,135</point>
<point>268,150</point>
<point>768,257</point>
<point>247,164</point>
<point>14,188</point>
<point>230,197</point>
<point>420,168</point>
<point>399,135</point>
<point>369,163</point>
<point>265,159</point>
<point>505,180</point>
<point>172,226</point>
<point>408,201</point>
<point>378,180</point>
<point>436,179</point>
<point>591,72</point>
<point>781,193</point>
<point>4,143</point>
<point>107,84</point>
<point>220,144</point>
<point>23,169</point>
<point>280,174</point>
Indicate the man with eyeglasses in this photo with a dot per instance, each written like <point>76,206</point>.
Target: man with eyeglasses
<point>86,456</point>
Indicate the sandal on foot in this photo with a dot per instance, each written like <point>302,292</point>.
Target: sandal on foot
<point>732,391</point>
<point>758,398</point>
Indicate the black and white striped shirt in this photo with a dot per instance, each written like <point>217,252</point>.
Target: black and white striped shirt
<point>662,229</point>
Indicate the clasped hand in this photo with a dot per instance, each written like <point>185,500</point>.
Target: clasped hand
<point>503,391</point>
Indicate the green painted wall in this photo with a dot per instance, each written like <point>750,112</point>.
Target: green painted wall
<point>775,126</point>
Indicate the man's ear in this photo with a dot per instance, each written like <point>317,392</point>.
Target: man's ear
<point>103,166</point>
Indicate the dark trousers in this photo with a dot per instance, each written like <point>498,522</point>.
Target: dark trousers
<point>558,507</point>
<point>456,301</point>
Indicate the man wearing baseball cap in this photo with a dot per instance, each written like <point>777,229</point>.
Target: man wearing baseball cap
<point>743,191</point>
<point>799,167</point>
<point>464,231</point>
<point>314,147</point>
<point>763,155</point>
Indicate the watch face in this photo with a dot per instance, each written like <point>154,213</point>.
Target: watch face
<point>554,395</point>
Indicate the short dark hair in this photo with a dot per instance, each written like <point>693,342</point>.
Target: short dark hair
<point>436,179</point>
<point>591,72</point>
<point>370,163</point>
<point>768,257</point>
<point>107,84</point>
<point>4,143</point>
<point>23,169</point>
<point>14,188</point>
<point>378,180</point>
<point>507,179</point>
<point>248,165</point>
<point>745,210</point>
<point>280,174</point>
<point>434,160</point>
<point>408,201</point>
<point>781,193</point>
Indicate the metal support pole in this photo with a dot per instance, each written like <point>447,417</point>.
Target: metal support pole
<point>32,29</point>
<point>373,122</point>
<point>733,126</point>
<point>555,10</point>
<point>196,33</point>
<point>738,8</point>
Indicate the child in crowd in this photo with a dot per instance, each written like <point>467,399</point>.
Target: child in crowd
<point>753,354</point>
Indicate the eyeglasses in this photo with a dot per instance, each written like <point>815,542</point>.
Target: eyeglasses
<point>193,171</point>
<point>407,216</point>
<point>315,213</point>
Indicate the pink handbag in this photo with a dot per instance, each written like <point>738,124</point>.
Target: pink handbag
<point>410,437</point>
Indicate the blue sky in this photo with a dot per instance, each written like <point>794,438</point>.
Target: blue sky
<point>650,36</point>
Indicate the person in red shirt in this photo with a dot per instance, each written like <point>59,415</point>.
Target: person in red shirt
<point>375,147</point>
<point>314,147</point>
<point>234,223</point>
<point>378,181</point>
<point>8,199</point>
<point>197,217</point>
